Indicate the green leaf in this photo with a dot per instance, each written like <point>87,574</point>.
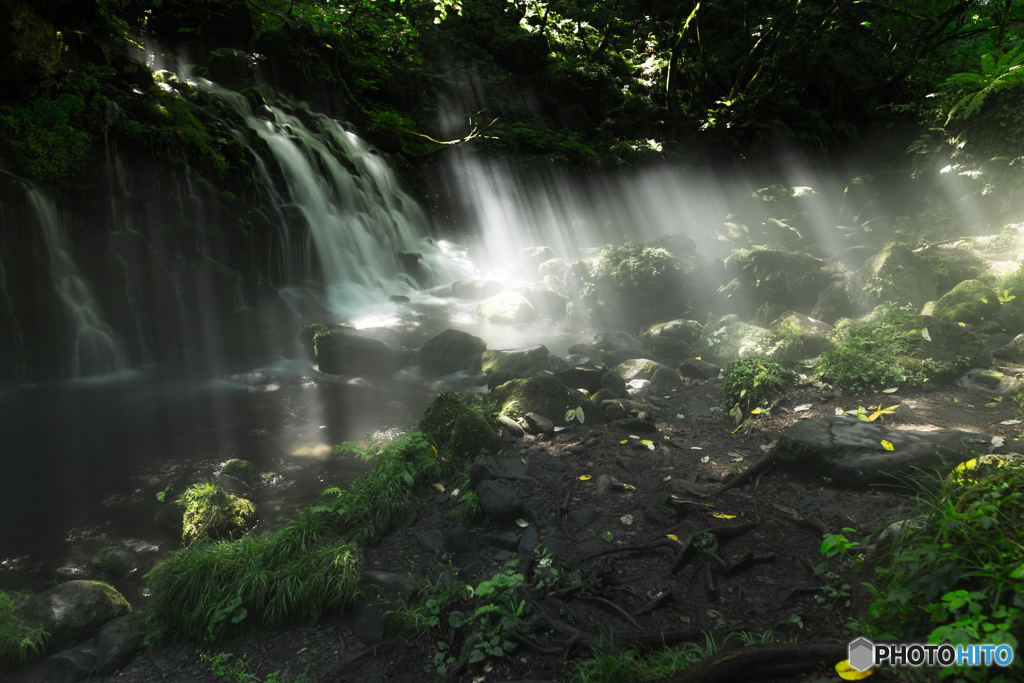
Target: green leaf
<point>608,536</point>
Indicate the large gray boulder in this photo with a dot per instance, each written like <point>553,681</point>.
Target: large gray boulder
<point>73,611</point>
<point>852,453</point>
<point>117,642</point>
<point>502,365</point>
<point>507,308</point>
<point>339,352</point>
<point>450,351</point>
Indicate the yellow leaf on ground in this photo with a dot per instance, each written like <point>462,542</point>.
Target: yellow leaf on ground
<point>722,515</point>
<point>439,487</point>
<point>848,673</point>
<point>584,477</point>
<point>887,445</point>
<point>672,536</point>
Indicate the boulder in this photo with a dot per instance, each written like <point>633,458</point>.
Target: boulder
<point>117,643</point>
<point>339,352</point>
<point>666,377</point>
<point>799,336</point>
<point>894,274</point>
<point>989,384</point>
<point>638,283</point>
<point>507,308</point>
<point>531,258</point>
<point>851,452</point>
<point>451,351</point>
<point>502,365</point>
<point>587,379</point>
<point>832,303</point>
<point>1014,350</point>
<point>499,503</point>
<point>539,424</point>
<point>542,394</point>
<point>1011,318</point>
<point>494,467</point>
<point>206,510</point>
<point>555,267</point>
<point>73,611</point>
<point>767,282</point>
<point>246,472</point>
<point>468,288</point>
<point>639,368</point>
<point>116,560</point>
<point>546,301</point>
<point>699,369</point>
<point>616,341</point>
<point>735,340</point>
<point>455,428</point>
<point>70,666</point>
<point>971,301</point>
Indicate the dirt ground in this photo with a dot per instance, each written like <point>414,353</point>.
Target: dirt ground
<point>623,573</point>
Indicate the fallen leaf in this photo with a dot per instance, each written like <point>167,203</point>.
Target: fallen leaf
<point>522,523</point>
<point>626,519</point>
<point>848,673</point>
<point>696,448</point>
<point>607,536</point>
<point>666,437</point>
<point>840,411</point>
<point>668,478</point>
<point>1010,422</point>
<point>991,373</point>
<point>633,436</point>
<point>647,443</point>
<point>680,416</point>
<point>722,515</point>
<point>705,458</point>
<point>805,406</point>
<point>756,411</point>
<point>685,620</point>
<point>584,477</point>
<point>924,333</point>
<point>962,324</point>
<point>997,441</point>
<point>439,487</point>
<point>629,487</point>
<point>624,441</point>
<point>672,536</point>
<point>891,390</point>
<point>455,492</point>
<point>887,445</point>
<point>558,429</point>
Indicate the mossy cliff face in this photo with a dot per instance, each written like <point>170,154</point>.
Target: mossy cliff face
<point>29,51</point>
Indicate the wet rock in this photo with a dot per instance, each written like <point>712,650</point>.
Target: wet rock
<point>70,666</point>
<point>614,410</point>
<point>451,351</point>
<point>529,540</point>
<point>475,290</point>
<point>588,379</point>
<point>606,484</point>
<point>339,352</point>
<point>73,611</point>
<point>613,358</point>
<point>542,394</point>
<point>115,560</point>
<point>734,340</point>
<point>399,299</point>
<point>502,365</point>
<point>850,452</point>
<point>689,485</point>
<point>971,301</point>
<point>499,503</point>
<point>614,383</point>
<point>699,369</point>
<point>455,428</point>
<point>511,426</point>
<point>766,282</point>
<point>539,424</point>
<point>117,642</point>
<point>206,510</point>
<point>1013,349</point>
<point>507,308</point>
<point>666,377</point>
<point>413,266</point>
<point>245,471</point>
<point>233,69</point>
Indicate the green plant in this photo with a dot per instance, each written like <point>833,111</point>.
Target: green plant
<point>752,382</point>
<point>160,495</point>
<point>221,665</point>
<point>610,666</point>
<point>997,73</point>
<point>958,574</point>
<point>1005,297</point>
<point>19,642</point>
<point>797,620</point>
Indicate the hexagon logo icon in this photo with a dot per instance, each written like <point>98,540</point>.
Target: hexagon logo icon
<point>861,654</point>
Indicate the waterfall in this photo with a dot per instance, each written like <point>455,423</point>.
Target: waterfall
<point>359,217</point>
<point>96,349</point>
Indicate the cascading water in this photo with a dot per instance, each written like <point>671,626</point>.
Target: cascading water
<point>359,217</point>
<point>96,350</point>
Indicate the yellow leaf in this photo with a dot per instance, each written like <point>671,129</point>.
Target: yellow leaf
<point>962,324</point>
<point>629,487</point>
<point>887,445</point>
<point>666,437</point>
<point>672,536</point>
<point>722,515</point>
<point>584,477</point>
<point>913,332</point>
<point>433,449</point>
<point>439,487</point>
<point>570,415</point>
<point>698,357</point>
<point>984,300</point>
<point>624,441</point>
<point>848,673</point>
<point>755,411</point>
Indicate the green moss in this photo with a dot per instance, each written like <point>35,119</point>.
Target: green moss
<point>247,472</point>
<point>971,301</point>
<point>207,510</point>
<point>543,394</point>
<point>457,426</point>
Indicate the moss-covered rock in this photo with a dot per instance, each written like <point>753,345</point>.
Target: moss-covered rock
<point>73,611</point>
<point>502,365</point>
<point>953,266</point>
<point>799,336</point>
<point>671,340</point>
<point>115,560</point>
<point>339,352</point>
<point>637,284</point>
<point>206,510</point>
<point>246,472</point>
<point>531,258</point>
<point>455,428</point>
<point>507,308</point>
<point>767,282</point>
<point>544,395</point>
<point>894,274</point>
<point>724,344</point>
<point>971,301</point>
<point>451,351</point>
<point>555,267</point>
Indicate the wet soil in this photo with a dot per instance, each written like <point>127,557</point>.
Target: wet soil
<point>599,498</point>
